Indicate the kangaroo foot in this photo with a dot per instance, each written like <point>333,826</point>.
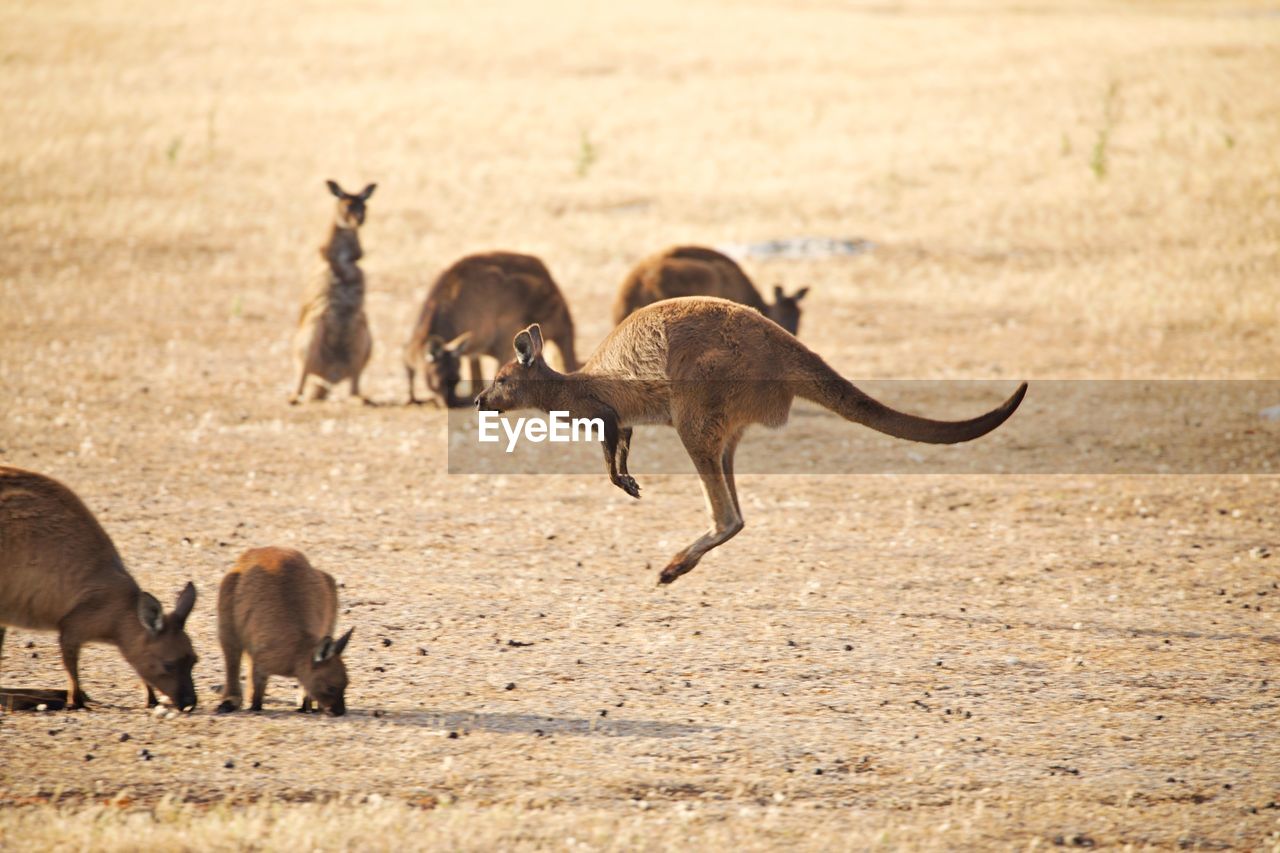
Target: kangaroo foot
<point>674,570</point>
<point>78,701</point>
<point>227,707</point>
<point>628,484</point>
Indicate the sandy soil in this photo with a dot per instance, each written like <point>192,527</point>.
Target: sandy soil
<point>1081,191</point>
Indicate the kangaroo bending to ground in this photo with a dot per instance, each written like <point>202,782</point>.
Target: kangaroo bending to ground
<point>710,368</point>
<point>699,271</point>
<point>333,342</point>
<point>475,308</point>
<point>280,611</point>
<point>59,571</point>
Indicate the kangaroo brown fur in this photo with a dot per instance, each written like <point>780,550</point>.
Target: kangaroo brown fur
<point>281,612</point>
<point>699,271</point>
<point>476,307</point>
<point>710,368</point>
<point>59,571</point>
<point>333,342</point>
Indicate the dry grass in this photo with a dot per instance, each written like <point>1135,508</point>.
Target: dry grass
<point>1055,190</point>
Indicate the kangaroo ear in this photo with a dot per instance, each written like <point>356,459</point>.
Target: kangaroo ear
<point>367,191</point>
<point>324,651</point>
<point>458,345</point>
<point>181,610</point>
<point>150,613</point>
<point>341,646</point>
<point>800,294</point>
<point>777,293</point>
<point>334,188</point>
<point>528,344</point>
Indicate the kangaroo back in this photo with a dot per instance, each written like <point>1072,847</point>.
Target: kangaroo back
<point>685,271</point>
<point>53,552</point>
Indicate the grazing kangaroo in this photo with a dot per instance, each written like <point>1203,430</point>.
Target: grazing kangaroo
<point>333,343</point>
<point>710,368</point>
<point>280,611</point>
<point>59,571</point>
<point>475,308</point>
<point>698,271</point>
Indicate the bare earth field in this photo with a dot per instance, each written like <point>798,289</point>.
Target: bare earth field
<point>1055,190</point>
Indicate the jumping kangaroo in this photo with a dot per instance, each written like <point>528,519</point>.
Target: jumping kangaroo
<point>710,368</point>
<point>59,571</point>
<point>475,308</point>
<point>280,611</point>
<point>333,341</point>
<point>698,271</point>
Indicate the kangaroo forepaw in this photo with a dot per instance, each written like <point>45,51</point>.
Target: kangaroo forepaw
<point>628,484</point>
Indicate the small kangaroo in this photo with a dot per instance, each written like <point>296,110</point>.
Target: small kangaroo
<point>59,571</point>
<point>333,342</point>
<point>476,307</point>
<point>280,611</point>
<point>710,368</point>
<point>699,271</point>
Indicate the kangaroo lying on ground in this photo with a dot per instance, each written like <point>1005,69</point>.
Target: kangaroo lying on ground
<point>59,571</point>
<point>333,341</point>
<point>698,271</point>
<point>476,307</point>
<point>710,368</point>
<point>280,611</point>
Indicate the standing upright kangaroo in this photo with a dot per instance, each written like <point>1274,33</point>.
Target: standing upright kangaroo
<point>333,342</point>
<point>476,307</point>
<point>699,271</point>
<point>59,571</point>
<point>710,368</point>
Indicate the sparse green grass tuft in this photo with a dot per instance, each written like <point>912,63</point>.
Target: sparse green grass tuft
<point>1099,161</point>
<point>587,154</point>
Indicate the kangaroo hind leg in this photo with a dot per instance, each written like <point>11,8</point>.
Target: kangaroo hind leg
<point>722,502</point>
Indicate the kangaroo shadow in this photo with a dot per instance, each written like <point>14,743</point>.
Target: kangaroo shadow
<point>539,725</point>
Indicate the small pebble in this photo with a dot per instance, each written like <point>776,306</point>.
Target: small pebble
<point>385,642</point>
<point>124,737</point>
<point>229,764</point>
<point>511,686</point>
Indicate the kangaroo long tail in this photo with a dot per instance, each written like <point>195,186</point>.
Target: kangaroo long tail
<point>840,396</point>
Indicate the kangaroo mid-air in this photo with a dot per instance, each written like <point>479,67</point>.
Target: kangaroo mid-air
<point>59,571</point>
<point>699,271</point>
<point>710,368</point>
<point>474,308</point>
<point>333,342</point>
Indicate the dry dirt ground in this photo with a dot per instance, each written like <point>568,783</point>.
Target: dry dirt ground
<point>1055,190</point>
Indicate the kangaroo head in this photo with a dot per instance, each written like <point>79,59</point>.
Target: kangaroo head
<point>325,676</point>
<point>157,646</point>
<point>351,208</point>
<point>520,382</point>
<point>785,310</point>
<point>442,364</point>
